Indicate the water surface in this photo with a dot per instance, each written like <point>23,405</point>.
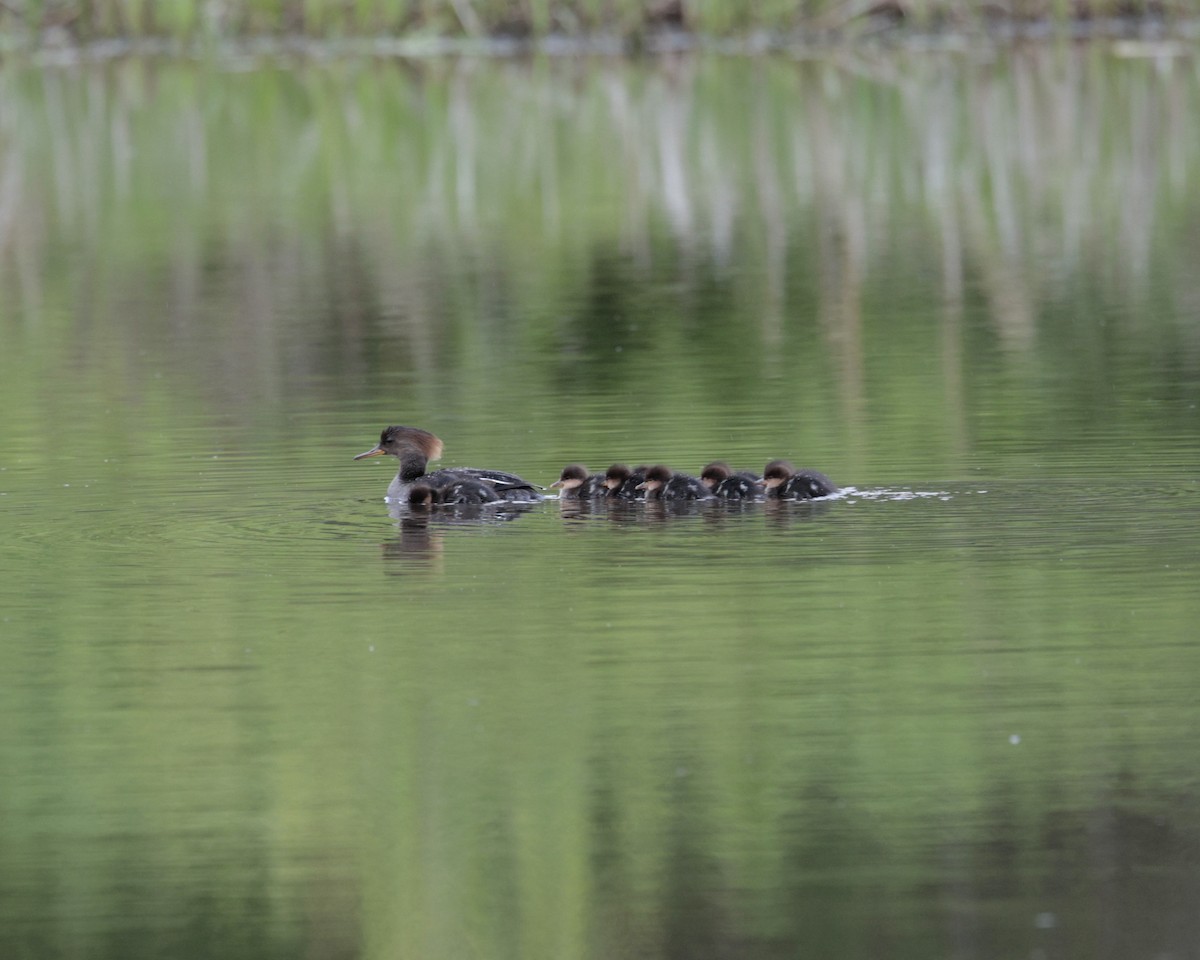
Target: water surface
<point>249,710</point>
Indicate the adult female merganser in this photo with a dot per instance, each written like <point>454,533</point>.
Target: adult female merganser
<point>727,485</point>
<point>785,482</point>
<point>414,448</point>
<point>662,483</point>
<point>577,484</point>
<point>623,483</point>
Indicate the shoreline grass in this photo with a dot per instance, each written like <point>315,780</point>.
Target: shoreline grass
<point>626,24</point>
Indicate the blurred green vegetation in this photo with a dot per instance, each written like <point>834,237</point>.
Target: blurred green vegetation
<point>331,19</point>
<point>913,238</point>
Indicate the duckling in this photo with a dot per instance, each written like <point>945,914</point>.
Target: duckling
<point>421,496</point>
<point>727,485</point>
<point>414,448</point>
<point>623,483</point>
<point>785,482</point>
<point>577,484</point>
<point>662,483</point>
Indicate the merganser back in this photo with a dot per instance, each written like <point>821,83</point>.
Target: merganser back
<point>464,490</point>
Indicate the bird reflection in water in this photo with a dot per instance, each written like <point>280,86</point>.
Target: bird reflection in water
<point>421,528</point>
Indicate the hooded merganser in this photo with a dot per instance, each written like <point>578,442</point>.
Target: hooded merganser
<point>785,482</point>
<point>727,485</point>
<point>577,484</point>
<point>662,483</point>
<point>623,483</point>
<point>414,448</point>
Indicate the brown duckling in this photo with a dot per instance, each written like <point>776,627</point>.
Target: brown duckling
<point>662,483</point>
<point>719,477</point>
<point>577,484</point>
<point>414,448</point>
<point>421,496</point>
<point>624,483</point>
<point>785,482</point>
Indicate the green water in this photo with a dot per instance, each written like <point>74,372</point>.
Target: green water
<point>249,710</point>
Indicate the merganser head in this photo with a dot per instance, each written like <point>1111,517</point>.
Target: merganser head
<point>398,441</point>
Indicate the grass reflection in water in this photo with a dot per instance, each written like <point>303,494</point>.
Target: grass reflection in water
<point>248,711</point>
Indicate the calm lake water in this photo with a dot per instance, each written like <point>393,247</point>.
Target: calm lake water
<point>247,710</point>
